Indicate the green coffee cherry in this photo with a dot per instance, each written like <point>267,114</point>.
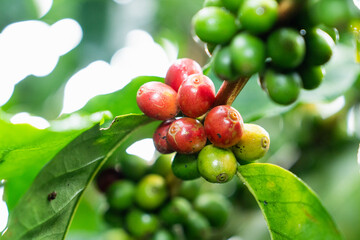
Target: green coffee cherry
<point>113,218</point>
<point>333,32</point>
<point>216,165</point>
<point>163,234</point>
<point>282,88</point>
<point>176,211</point>
<point>254,143</point>
<point>286,48</point>
<point>185,167</point>
<point>214,25</point>
<point>116,234</point>
<point>258,16</point>
<point>133,167</point>
<point>120,194</point>
<point>232,5</point>
<point>151,192</point>
<point>196,226</point>
<point>319,47</point>
<point>141,224</point>
<point>247,53</point>
<point>333,13</point>
<point>223,67</point>
<point>312,76</point>
<point>190,189</point>
<point>215,207</point>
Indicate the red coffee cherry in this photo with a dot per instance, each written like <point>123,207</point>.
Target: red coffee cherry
<point>180,70</point>
<point>186,136</point>
<point>196,95</point>
<point>157,100</point>
<point>224,126</point>
<point>159,137</point>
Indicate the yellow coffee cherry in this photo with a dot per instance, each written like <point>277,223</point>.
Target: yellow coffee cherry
<point>254,143</point>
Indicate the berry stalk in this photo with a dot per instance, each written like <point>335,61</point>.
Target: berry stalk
<point>229,91</point>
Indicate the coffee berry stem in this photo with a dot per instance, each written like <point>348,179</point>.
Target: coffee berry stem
<point>229,91</point>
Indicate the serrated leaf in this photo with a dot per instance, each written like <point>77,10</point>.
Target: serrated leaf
<point>67,175</point>
<point>291,209</point>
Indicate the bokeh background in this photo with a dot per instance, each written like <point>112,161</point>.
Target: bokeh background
<point>57,55</point>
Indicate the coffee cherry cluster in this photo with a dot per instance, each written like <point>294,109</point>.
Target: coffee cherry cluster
<point>255,36</point>
<point>153,206</point>
<point>190,94</point>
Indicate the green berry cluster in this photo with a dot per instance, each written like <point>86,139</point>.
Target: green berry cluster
<point>250,37</point>
<point>153,206</point>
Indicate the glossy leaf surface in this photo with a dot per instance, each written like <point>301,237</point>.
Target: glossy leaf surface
<point>66,176</point>
<point>291,209</point>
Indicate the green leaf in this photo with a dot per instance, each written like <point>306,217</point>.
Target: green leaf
<point>120,102</point>
<point>24,150</point>
<point>291,209</point>
<point>67,175</point>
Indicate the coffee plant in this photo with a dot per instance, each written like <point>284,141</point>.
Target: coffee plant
<point>235,121</point>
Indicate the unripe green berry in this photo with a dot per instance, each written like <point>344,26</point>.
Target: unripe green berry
<point>254,143</point>
<point>163,234</point>
<point>319,47</point>
<point>311,76</point>
<point>214,25</point>
<point>223,66</point>
<point>176,211</point>
<point>120,194</point>
<point>286,48</point>
<point>185,167</point>
<point>151,192</point>
<point>196,226</point>
<point>232,5</point>
<point>282,88</point>
<point>217,165</point>
<point>258,16</point>
<point>247,54</point>
<point>215,207</point>
<point>141,224</point>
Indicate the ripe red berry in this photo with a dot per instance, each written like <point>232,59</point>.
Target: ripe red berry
<point>186,136</point>
<point>159,137</point>
<point>224,126</point>
<point>180,70</point>
<point>157,100</point>
<point>196,95</point>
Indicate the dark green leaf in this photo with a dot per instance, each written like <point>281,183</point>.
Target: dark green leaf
<point>291,209</point>
<point>68,174</point>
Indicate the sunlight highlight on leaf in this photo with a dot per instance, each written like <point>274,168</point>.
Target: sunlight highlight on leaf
<point>34,121</point>
<point>33,48</point>
<point>140,57</point>
<point>147,149</point>
<point>43,6</point>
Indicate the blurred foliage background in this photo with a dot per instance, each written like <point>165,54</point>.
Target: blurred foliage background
<point>317,138</point>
